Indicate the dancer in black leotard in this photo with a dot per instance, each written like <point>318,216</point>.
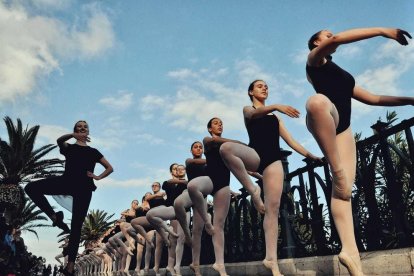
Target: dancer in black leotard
<point>195,167</point>
<point>216,183</point>
<point>328,119</point>
<point>77,181</point>
<point>140,225</point>
<point>157,216</point>
<point>263,156</point>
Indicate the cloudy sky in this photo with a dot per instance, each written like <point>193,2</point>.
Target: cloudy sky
<point>148,75</point>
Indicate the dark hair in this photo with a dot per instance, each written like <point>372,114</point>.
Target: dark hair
<point>74,128</point>
<point>312,39</point>
<point>209,123</point>
<point>311,43</point>
<point>251,86</point>
<point>192,145</point>
<point>143,198</point>
<point>172,165</point>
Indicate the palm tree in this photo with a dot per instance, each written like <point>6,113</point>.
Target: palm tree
<point>29,218</point>
<point>21,163</point>
<point>94,227</point>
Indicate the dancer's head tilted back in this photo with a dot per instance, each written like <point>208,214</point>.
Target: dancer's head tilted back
<point>215,126</point>
<point>251,87</point>
<point>258,91</point>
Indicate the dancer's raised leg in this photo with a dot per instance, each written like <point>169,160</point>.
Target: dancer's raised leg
<point>239,159</point>
<point>181,203</point>
<point>197,189</point>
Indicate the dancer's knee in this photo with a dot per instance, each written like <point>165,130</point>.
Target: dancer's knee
<point>192,189</point>
<point>317,103</point>
<point>226,150</point>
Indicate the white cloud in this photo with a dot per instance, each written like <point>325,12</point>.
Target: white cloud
<point>122,101</point>
<point>32,46</point>
<point>143,182</point>
<point>350,50</point>
<point>300,56</point>
<point>206,93</point>
<point>148,139</point>
<point>182,74</point>
<point>148,104</point>
<point>52,4</point>
<point>382,80</point>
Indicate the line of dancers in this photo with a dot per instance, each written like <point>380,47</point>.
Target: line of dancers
<point>328,120</point>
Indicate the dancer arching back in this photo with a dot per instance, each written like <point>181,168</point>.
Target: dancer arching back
<point>329,119</point>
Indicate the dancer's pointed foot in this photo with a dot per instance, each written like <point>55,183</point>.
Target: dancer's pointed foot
<point>131,243</point>
<point>164,237</point>
<point>142,272</point>
<point>341,189</point>
<point>170,270</point>
<point>196,269</point>
<point>188,241</point>
<point>220,268</point>
<point>352,263</point>
<point>177,270</point>
<point>209,226</point>
<point>148,240</point>
<point>139,239</point>
<point>257,200</point>
<point>129,251</point>
<point>273,266</point>
<point>169,230</point>
<point>58,221</point>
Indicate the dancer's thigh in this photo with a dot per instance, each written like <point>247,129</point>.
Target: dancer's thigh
<point>184,199</point>
<point>162,212</point>
<point>249,156</point>
<point>202,184</point>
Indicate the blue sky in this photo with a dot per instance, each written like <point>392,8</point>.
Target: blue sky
<point>148,75</point>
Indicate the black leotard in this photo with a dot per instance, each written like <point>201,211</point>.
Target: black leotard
<point>336,84</point>
<point>141,212</point>
<point>195,170</point>
<point>173,191</point>
<point>155,202</point>
<point>264,139</point>
<point>216,169</point>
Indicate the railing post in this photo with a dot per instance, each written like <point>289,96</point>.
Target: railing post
<point>391,180</point>
<point>289,246</point>
<point>410,142</point>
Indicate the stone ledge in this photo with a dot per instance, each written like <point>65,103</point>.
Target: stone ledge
<point>388,262</point>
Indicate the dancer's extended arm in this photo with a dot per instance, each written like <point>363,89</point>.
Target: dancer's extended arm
<point>329,45</point>
<point>287,137</point>
<point>367,97</point>
<point>250,112</point>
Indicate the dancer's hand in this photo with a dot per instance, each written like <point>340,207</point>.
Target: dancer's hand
<point>288,110</point>
<point>92,175</point>
<point>398,35</point>
<point>81,136</point>
<point>315,158</point>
